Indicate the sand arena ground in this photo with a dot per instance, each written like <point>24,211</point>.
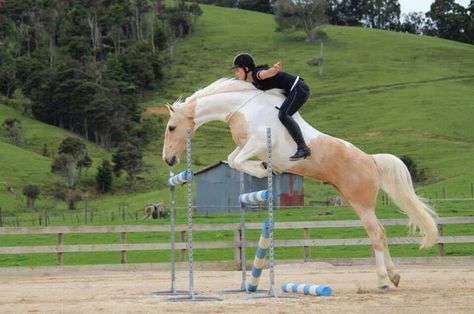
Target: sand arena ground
<point>424,288</point>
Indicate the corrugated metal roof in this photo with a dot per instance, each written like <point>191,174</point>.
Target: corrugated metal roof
<point>207,168</point>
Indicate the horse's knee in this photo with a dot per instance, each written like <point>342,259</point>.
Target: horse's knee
<point>238,163</point>
<point>231,162</point>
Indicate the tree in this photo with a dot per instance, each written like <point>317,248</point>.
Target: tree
<point>128,158</point>
<point>14,130</point>
<point>31,192</point>
<point>65,166</point>
<point>382,14</point>
<point>256,5</point>
<point>7,79</point>
<point>149,130</point>
<point>470,28</point>
<point>348,12</point>
<point>104,177</point>
<point>413,22</point>
<point>305,15</point>
<point>74,147</point>
<point>451,20</point>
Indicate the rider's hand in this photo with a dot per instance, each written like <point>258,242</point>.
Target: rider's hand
<point>277,66</point>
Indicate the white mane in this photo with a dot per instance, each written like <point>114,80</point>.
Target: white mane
<point>224,85</point>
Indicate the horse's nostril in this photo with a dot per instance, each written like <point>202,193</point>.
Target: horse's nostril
<point>170,161</point>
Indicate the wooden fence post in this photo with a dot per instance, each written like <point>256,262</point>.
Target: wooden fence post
<point>306,248</point>
<point>59,254</point>
<point>123,253</point>
<point>440,245</point>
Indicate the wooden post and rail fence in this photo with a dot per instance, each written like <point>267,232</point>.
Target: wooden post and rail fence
<point>306,242</point>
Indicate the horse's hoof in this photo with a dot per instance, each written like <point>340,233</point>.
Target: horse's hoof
<point>395,279</point>
<point>383,288</point>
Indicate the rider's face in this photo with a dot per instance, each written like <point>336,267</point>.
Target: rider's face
<point>240,73</point>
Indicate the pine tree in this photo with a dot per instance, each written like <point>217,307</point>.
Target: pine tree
<point>104,177</point>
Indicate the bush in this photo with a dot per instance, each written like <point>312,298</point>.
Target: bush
<point>69,196</point>
<point>14,130</point>
<point>31,192</point>
<point>418,176</point>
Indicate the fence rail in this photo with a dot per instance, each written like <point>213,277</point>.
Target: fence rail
<point>236,244</point>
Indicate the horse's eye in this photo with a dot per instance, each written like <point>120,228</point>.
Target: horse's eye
<point>171,128</point>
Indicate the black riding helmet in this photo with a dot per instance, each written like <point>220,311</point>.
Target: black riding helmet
<point>244,60</point>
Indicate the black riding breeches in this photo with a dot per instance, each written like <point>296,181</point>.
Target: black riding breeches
<point>290,106</point>
<point>296,98</point>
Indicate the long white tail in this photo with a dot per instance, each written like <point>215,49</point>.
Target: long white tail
<point>396,182</point>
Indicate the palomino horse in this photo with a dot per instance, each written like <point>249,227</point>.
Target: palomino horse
<point>356,175</point>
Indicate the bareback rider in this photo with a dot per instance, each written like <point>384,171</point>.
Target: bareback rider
<point>294,87</point>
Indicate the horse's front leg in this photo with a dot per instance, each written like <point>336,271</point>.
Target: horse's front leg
<point>231,157</point>
<point>253,147</point>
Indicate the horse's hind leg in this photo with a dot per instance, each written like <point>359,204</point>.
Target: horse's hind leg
<point>389,265</point>
<point>376,234</point>
<point>392,274</point>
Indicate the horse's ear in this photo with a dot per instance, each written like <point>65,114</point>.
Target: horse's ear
<point>170,109</point>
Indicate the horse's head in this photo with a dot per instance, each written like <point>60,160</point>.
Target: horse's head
<point>181,118</point>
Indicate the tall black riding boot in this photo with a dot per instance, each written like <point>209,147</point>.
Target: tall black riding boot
<point>293,128</point>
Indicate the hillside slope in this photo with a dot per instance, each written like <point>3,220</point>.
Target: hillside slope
<point>384,91</point>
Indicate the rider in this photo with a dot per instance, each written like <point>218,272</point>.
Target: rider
<point>294,87</point>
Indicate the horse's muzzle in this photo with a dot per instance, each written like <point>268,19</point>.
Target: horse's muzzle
<point>170,161</point>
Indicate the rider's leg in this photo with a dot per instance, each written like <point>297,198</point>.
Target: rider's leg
<point>293,102</point>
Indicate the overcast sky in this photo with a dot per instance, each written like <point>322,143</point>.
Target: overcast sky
<point>407,6</point>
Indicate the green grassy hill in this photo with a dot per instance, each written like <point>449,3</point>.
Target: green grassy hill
<point>384,91</point>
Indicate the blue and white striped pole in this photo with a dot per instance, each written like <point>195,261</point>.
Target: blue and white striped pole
<point>181,177</point>
<point>317,290</point>
<point>259,261</point>
<point>254,197</point>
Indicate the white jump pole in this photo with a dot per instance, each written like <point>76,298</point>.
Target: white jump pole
<point>172,182</point>
<point>189,176</point>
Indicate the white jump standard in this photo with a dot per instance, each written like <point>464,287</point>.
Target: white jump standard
<point>172,182</point>
<point>186,177</point>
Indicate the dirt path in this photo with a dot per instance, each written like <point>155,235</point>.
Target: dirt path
<point>423,289</point>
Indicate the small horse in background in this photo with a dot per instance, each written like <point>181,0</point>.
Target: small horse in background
<point>357,176</point>
<point>155,211</point>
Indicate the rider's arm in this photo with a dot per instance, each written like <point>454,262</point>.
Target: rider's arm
<point>264,74</point>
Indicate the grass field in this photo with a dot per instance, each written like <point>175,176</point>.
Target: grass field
<point>383,91</point>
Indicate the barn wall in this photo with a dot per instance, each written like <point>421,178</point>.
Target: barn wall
<point>218,188</point>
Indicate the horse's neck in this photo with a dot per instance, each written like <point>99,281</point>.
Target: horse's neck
<point>218,107</point>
